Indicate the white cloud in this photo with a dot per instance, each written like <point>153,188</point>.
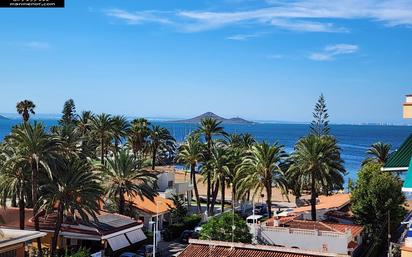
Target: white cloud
<point>31,45</point>
<point>138,17</point>
<point>297,15</point>
<point>331,51</point>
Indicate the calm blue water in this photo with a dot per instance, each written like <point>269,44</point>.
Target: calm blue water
<point>353,139</point>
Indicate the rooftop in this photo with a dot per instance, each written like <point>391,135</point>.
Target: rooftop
<point>204,248</point>
<point>322,226</point>
<point>12,236</point>
<point>336,201</point>
<point>106,223</point>
<point>159,204</point>
<point>399,160</point>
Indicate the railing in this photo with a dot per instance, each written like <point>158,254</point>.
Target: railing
<point>303,231</point>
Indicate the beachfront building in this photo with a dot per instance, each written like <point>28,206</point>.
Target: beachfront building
<point>156,210</point>
<point>407,107</point>
<point>401,161</point>
<point>108,234</point>
<point>167,185</point>
<point>311,235</point>
<point>207,248</point>
<point>333,233</point>
<point>14,242</point>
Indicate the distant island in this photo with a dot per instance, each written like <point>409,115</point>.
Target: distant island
<point>3,118</point>
<point>197,119</point>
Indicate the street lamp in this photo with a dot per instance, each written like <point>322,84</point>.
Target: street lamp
<point>154,236</point>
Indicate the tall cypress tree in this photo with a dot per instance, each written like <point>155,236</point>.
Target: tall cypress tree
<point>69,113</point>
<point>320,124</point>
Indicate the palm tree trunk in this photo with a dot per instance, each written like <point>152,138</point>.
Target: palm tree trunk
<point>154,158</point>
<point>269,197</point>
<point>192,171</point>
<point>57,230</point>
<point>208,192</point>
<point>121,203</point>
<point>209,182</point>
<point>313,198</point>
<point>223,196</point>
<point>214,197</point>
<point>21,208</point>
<point>34,178</point>
<point>102,151</point>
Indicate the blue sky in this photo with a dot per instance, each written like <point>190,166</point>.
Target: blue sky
<point>262,60</point>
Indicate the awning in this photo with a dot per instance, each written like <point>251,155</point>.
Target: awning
<point>399,160</point>
<point>126,239</point>
<point>407,184</point>
<point>118,242</point>
<point>136,236</point>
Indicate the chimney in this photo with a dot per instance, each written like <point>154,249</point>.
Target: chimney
<point>407,107</point>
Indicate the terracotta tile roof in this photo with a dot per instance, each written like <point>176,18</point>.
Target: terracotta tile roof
<point>158,205</point>
<point>336,201</point>
<point>325,226</point>
<point>355,229</point>
<point>200,248</point>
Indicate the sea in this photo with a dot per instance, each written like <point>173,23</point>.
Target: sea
<point>354,140</point>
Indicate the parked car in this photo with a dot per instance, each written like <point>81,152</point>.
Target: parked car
<point>147,251</point>
<point>188,234</point>
<point>261,209</point>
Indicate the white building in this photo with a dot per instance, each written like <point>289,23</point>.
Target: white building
<point>311,235</point>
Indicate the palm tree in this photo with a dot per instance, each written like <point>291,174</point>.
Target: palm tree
<point>317,166</point>
<point>74,191</point>
<point>379,152</point>
<point>84,129</point>
<point>209,127</point>
<point>124,178</point>
<point>220,172</point>
<point>159,138</point>
<point>24,108</point>
<point>36,149</point>
<point>120,127</point>
<point>69,139</point>
<point>102,130</point>
<point>190,153</point>
<point>137,135</point>
<point>262,170</point>
<point>13,180</point>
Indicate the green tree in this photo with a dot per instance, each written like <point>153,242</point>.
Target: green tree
<point>209,127</point>
<point>102,130</point>
<point>24,108</point>
<point>36,149</point>
<point>120,129</point>
<point>13,180</point>
<point>179,210</point>
<point>262,170</point>
<point>75,191</point>
<point>226,227</point>
<point>317,166</point>
<point>377,194</point>
<point>220,174</point>
<point>69,113</point>
<point>124,178</point>
<point>137,136</point>
<point>190,153</point>
<point>320,123</point>
<point>160,139</point>
<point>378,152</point>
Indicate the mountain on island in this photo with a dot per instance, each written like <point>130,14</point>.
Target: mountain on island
<point>197,119</point>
